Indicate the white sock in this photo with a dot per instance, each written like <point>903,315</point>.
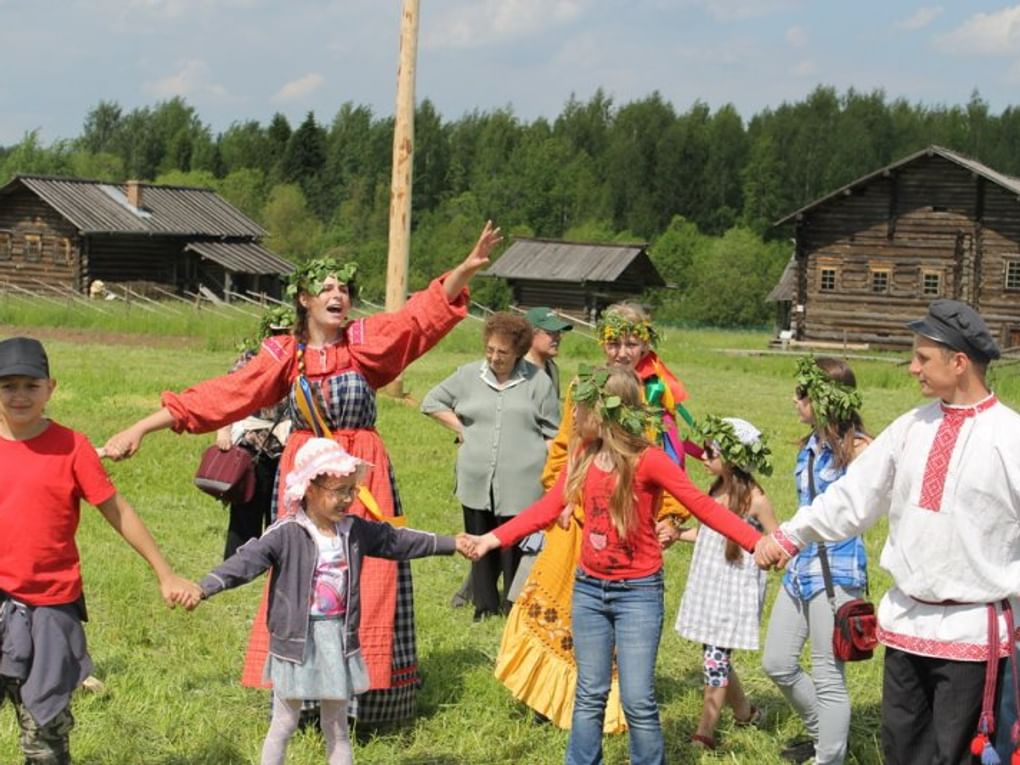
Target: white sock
<point>286,715</point>
<point>333,717</point>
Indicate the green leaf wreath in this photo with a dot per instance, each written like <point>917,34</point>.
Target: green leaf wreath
<point>751,458</point>
<point>313,274</point>
<point>612,326</point>
<point>830,400</point>
<point>589,390</point>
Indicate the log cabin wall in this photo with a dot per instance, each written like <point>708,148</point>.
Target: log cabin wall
<point>137,260</point>
<point>1000,264</point>
<point>37,244</point>
<point>873,258</point>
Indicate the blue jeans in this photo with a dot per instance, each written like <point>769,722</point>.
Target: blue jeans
<point>626,616</point>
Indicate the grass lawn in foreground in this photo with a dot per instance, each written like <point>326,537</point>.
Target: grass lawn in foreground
<point>173,693</point>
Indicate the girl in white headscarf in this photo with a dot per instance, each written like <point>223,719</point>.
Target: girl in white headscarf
<point>722,604</point>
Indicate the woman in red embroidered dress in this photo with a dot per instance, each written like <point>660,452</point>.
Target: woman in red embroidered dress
<point>331,369</point>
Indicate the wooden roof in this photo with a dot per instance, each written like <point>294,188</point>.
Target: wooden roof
<point>96,207</point>
<point>555,260</point>
<point>786,287</point>
<point>1005,181</point>
<point>242,257</point>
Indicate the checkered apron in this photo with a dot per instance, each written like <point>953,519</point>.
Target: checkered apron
<point>348,403</point>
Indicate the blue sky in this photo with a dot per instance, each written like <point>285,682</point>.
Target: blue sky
<point>246,59</point>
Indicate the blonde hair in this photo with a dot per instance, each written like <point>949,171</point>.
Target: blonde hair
<point>632,312</point>
<point>623,447</point>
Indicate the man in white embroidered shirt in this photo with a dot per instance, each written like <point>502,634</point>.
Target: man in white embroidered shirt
<point>947,475</point>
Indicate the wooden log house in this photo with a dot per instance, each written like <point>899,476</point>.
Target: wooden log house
<point>872,255</point>
<point>578,278</point>
<point>69,232</point>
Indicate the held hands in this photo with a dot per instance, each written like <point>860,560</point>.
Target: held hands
<point>769,554</point>
<point>474,547</point>
<point>122,445</point>
<point>667,532</point>
<point>178,591</point>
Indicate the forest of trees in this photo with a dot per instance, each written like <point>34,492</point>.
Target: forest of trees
<point>702,186</point>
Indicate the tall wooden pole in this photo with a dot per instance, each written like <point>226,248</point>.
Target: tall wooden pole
<point>403,166</point>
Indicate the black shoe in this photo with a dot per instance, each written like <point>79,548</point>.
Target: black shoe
<point>799,751</point>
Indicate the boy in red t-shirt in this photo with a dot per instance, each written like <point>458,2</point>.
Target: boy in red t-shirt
<point>47,470</point>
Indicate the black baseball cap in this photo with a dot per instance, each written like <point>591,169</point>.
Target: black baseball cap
<point>960,327</point>
<point>25,357</point>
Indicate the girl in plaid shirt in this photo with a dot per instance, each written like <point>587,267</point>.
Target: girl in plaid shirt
<point>826,399</point>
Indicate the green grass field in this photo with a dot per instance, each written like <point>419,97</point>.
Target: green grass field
<point>173,694</point>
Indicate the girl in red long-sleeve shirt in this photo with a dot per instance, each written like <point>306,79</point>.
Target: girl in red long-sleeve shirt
<point>618,479</point>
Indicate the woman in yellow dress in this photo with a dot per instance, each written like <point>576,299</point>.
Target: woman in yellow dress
<point>536,659</point>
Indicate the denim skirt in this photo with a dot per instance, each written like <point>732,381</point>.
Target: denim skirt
<point>325,674</point>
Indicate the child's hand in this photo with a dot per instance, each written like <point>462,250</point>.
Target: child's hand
<point>466,545</point>
<point>483,544</point>
<point>563,519</point>
<point>178,591</point>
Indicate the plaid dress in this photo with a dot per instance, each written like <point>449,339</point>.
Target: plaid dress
<point>723,601</point>
<point>344,376</point>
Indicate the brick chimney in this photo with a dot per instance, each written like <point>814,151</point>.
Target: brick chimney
<point>134,194</point>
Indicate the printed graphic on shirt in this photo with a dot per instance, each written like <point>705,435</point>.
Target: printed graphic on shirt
<point>605,551</point>
<point>329,586</point>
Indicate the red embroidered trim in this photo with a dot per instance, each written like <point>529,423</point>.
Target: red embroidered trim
<point>356,332</point>
<point>941,451</point>
<point>785,542</point>
<point>274,347</point>
<point>941,649</point>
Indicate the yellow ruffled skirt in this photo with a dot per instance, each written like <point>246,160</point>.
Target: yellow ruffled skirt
<point>536,656</point>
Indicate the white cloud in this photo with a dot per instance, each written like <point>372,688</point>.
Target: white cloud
<point>987,34</point>
<point>805,68</point>
<point>484,22</point>
<point>297,89</point>
<point>796,36</point>
<point>191,79</point>
<point>741,10</point>
<point>920,18</point>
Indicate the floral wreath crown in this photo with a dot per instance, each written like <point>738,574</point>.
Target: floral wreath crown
<point>830,400</point>
<point>311,276</point>
<point>755,457</point>
<point>612,326</point>
<point>589,390</point>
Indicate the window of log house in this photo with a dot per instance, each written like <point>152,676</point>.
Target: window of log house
<point>931,283</point>
<point>1012,279</point>
<point>62,250</point>
<point>33,247</point>
<point>5,245</point>
<point>879,279</point>
<point>827,279</point>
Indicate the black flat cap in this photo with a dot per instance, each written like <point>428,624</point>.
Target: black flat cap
<point>960,327</point>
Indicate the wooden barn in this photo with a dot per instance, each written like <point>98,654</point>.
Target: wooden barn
<point>71,232</point>
<point>575,277</point>
<point>870,256</point>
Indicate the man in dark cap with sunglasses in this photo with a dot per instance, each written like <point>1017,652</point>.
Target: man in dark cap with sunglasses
<point>947,475</point>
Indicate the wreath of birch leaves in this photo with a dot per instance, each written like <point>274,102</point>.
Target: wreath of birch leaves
<point>589,390</point>
<point>751,458</point>
<point>313,274</point>
<point>831,401</point>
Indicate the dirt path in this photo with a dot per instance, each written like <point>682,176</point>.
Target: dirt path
<point>102,337</point>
